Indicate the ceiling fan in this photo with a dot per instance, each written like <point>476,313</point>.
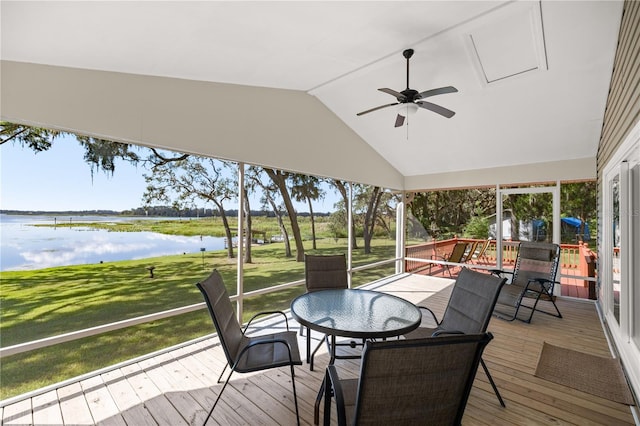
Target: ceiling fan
<point>412,99</point>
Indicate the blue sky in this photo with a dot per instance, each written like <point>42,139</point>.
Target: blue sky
<point>59,179</point>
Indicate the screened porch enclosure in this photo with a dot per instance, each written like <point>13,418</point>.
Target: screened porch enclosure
<point>275,84</point>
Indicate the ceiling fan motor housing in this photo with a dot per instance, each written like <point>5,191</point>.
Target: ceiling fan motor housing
<point>410,95</point>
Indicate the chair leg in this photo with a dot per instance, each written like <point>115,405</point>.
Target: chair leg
<point>493,385</point>
<point>222,372</point>
<point>557,310</point>
<point>448,271</point>
<point>313,354</point>
<point>219,395</point>
<point>549,294</point>
<point>327,400</point>
<point>295,396</point>
<point>293,384</point>
<point>309,346</point>
<point>535,304</point>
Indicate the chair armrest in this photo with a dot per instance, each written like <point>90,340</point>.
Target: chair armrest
<point>268,340</point>
<point>332,383</point>
<point>266,313</point>
<point>499,272</point>
<point>431,312</point>
<point>542,282</point>
<point>445,332</point>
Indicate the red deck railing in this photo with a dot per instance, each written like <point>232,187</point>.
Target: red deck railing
<point>575,260</point>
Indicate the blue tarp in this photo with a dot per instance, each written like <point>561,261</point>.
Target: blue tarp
<point>576,223</point>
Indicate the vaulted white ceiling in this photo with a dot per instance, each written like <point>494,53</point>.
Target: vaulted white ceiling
<point>532,79</point>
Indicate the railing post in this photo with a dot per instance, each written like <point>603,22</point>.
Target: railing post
<point>587,268</point>
<point>240,253</point>
<point>400,236</point>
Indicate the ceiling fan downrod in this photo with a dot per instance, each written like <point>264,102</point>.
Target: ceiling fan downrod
<point>408,54</point>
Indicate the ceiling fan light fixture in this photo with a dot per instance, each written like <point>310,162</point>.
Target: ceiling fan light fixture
<point>408,108</point>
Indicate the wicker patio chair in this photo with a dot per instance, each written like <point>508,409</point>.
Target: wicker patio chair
<point>469,310</point>
<point>534,277</point>
<point>402,382</point>
<point>246,354</point>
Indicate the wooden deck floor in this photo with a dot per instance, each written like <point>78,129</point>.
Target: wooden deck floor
<point>179,387</point>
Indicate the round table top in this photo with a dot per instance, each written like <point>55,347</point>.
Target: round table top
<point>356,313</point>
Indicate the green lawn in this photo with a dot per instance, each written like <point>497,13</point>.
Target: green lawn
<point>47,302</point>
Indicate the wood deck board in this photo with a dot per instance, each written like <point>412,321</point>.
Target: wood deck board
<point>180,387</point>
<point>131,407</point>
<point>19,413</point>
<point>176,404</point>
<point>156,403</point>
<point>74,405</point>
<point>46,409</point>
<point>102,407</point>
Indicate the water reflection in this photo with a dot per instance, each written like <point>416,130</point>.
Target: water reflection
<point>26,247</point>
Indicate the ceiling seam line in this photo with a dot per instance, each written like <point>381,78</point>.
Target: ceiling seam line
<point>422,40</point>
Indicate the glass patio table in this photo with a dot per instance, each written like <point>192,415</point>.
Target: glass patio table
<point>363,314</point>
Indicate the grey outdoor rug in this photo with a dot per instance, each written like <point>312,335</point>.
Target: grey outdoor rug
<point>596,375</point>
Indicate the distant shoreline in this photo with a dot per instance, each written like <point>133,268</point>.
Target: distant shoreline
<point>62,213</point>
<point>139,212</point>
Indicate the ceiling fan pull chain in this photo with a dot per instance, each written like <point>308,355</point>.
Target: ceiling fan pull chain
<point>407,127</point>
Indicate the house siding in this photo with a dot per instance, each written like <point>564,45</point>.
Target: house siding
<point>622,111</point>
<point>623,103</point>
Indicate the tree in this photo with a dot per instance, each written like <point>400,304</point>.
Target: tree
<point>530,208</point>
<point>375,194</point>
<point>372,210</point>
<point>578,199</point>
<point>307,188</point>
<point>253,176</point>
<point>249,230</point>
<point>444,214</point>
<point>279,178</point>
<point>183,181</point>
<point>100,154</point>
<point>35,138</point>
<point>341,186</point>
<point>338,224</point>
<point>477,227</point>
<point>386,212</point>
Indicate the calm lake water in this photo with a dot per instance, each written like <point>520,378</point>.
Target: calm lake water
<point>27,247</point>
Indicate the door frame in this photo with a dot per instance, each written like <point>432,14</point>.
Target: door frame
<point>624,330</point>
